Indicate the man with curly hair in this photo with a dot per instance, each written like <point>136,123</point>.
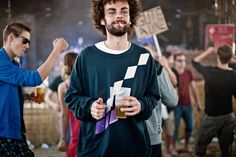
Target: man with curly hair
<point>99,70</point>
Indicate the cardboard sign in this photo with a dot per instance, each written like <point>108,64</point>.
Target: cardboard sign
<point>217,35</point>
<point>150,22</point>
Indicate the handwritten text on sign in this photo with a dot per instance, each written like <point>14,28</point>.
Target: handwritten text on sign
<point>151,22</point>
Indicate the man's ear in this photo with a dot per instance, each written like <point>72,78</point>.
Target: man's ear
<point>102,22</point>
<point>10,37</point>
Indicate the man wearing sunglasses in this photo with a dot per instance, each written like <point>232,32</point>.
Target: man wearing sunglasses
<point>16,40</point>
<point>24,39</point>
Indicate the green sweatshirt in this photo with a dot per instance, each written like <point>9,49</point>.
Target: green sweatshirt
<point>93,76</point>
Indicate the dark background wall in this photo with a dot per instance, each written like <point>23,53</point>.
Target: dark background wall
<point>71,19</point>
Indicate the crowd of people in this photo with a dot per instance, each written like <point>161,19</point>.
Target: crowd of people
<point>156,92</point>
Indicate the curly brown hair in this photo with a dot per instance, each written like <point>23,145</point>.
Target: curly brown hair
<point>97,12</point>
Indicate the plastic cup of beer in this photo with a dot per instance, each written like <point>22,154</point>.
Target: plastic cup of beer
<point>40,94</point>
<point>120,102</point>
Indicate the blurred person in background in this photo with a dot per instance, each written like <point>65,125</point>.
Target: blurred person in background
<point>52,89</point>
<point>220,85</point>
<point>67,115</point>
<point>51,98</point>
<point>16,40</point>
<point>186,84</point>
<point>168,124</point>
<point>169,98</point>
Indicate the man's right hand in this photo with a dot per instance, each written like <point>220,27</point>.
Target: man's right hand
<point>98,109</point>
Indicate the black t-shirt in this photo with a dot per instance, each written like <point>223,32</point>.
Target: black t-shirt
<point>55,83</point>
<point>220,86</point>
<point>233,66</point>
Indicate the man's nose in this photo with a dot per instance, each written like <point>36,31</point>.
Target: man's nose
<point>119,15</point>
<point>27,45</point>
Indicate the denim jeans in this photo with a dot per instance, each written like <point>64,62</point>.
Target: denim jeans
<point>186,113</point>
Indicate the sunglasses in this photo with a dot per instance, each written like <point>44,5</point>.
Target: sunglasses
<point>24,39</point>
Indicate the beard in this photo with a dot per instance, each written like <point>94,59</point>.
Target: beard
<point>117,31</point>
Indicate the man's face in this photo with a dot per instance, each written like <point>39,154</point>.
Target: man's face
<point>20,43</point>
<point>117,19</point>
<point>180,63</point>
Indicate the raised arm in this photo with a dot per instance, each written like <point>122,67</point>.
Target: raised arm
<point>10,73</point>
<point>59,45</point>
<point>171,75</point>
<point>204,54</point>
<point>169,96</point>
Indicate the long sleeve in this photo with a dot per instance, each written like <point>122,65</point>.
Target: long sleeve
<point>11,98</point>
<point>152,94</point>
<point>10,73</point>
<point>169,96</point>
<point>95,74</point>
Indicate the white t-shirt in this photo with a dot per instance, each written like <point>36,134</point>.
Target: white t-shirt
<point>101,46</point>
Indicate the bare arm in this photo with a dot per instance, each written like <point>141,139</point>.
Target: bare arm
<point>65,117</point>
<point>59,45</point>
<point>203,55</point>
<point>195,93</point>
<point>233,60</point>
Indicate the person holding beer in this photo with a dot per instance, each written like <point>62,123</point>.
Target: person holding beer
<point>103,71</point>
<point>16,40</point>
